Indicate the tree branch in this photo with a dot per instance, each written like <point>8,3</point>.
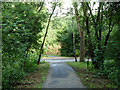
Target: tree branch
<point>108,35</point>
<point>40,8</point>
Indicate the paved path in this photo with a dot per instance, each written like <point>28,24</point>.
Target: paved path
<point>62,76</point>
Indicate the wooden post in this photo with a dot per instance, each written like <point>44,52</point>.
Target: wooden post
<point>88,64</point>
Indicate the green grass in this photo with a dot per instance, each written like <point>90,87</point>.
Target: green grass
<point>43,73</point>
<point>80,64</point>
<point>77,64</point>
<point>42,62</point>
<point>90,78</point>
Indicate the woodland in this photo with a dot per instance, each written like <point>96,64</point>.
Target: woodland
<point>31,30</point>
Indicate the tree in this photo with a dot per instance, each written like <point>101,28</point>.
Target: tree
<point>81,33</point>
<point>104,15</point>
<point>54,6</point>
<point>74,44</point>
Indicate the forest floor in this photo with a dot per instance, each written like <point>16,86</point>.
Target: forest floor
<point>90,78</point>
<point>36,78</point>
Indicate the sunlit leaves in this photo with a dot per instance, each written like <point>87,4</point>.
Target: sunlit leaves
<point>20,28</point>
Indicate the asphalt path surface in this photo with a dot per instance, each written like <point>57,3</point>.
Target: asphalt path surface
<point>61,75</point>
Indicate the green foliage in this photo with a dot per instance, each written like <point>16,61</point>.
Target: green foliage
<point>65,37</point>
<point>110,71</point>
<point>31,62</point>
<point>113,52</point>
<point>67,44</point>
<point>113,49</point>
<point>21,25</point>
<point>11,74</point>
<point>99,58</point>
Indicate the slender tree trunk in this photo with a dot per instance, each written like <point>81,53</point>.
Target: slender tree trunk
<point>74,42</point>
<point>90,46</point>
<point>77,18</point>
<point>108,35</point>
<point>82,45</point>
<point>81,32</point>
<point>45,34</point>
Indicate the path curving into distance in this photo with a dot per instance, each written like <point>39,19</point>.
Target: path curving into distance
<point>62,76</point>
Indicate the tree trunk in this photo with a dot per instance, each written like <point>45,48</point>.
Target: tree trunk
<point>98,28</point>
<point>74,42</point>
<point>90,46</point>
<point>81,34</point>
<point>45,34</point>
<point>82,44</point>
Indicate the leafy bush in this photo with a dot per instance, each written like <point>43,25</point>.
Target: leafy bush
<point>15,71</point>
<point>21,26</point>
<point>110,71</point>
<point>12,74</point>
<point>31,63</point>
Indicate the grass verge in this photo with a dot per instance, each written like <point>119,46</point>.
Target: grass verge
<point>36,78</point>
<point>90,78</point>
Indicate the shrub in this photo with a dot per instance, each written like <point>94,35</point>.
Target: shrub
<point>110,71</point>
<point>11,74</point>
